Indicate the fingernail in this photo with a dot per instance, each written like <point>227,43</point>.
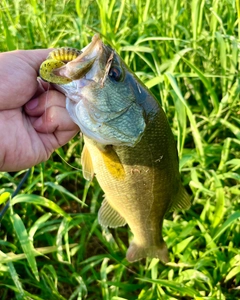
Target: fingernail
<point>32,104</point>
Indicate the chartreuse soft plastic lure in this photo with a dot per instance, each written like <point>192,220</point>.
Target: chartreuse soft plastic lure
<point>56,59</point>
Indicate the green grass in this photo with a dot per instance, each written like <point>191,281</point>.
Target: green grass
<point>187,52</point>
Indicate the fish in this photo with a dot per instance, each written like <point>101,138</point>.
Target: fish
<point>128,144</point>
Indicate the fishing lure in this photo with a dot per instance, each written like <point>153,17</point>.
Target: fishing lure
<point>56,59</point>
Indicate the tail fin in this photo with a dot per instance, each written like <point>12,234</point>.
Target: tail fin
<point>136,252</point>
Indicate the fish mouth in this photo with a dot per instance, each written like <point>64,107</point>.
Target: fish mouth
<point>83,64</point>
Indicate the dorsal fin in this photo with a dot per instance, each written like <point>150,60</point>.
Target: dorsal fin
<point>109,217</point>
<point>181,200</point>
<point>87,166</point>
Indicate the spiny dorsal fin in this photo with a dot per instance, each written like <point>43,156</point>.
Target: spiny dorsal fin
<point>87,166</point>
<point>109,217</point>
<point>181,200</point>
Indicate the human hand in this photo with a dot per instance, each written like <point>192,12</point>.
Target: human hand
<point>33,119</point>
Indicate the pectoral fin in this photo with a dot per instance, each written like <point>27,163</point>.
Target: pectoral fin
<point>113,163</point>
<point>87,166</point>
<point>181,200</point>
<point>109,217</point>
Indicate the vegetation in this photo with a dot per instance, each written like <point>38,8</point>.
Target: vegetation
<point>187,53</point>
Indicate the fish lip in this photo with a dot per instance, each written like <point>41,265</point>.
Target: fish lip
<point>89,64</point>
<point>89,49</point>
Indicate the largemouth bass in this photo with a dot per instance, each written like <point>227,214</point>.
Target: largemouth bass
<point>129,145</point>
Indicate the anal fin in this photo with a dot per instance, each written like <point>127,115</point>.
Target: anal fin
<point>181,200</point>
<point>109,217</point>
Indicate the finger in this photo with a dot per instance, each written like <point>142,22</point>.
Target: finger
<point>42,87</point>
<point>55,120</point>
<point>45,85</point>
<point>55,128</point>
<point>33,57</point>
<point>20,70</point>
<point>37,106</point>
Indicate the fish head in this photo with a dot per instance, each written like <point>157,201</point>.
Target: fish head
<point>102,97</point>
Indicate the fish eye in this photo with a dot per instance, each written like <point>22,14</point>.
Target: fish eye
<point>115,73</point>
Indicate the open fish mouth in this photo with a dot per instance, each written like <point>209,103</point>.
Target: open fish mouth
<point>83,64</point>
<point>64,65</point>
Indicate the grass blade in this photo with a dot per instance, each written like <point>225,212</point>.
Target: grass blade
<point>195,131</point>
<point>63,190</point>
<point>38,200</point>
<point>220,202</point>
<point>226,224</point>
<point>207,84</point>
<point>25,242</point>
<point>177,287</point>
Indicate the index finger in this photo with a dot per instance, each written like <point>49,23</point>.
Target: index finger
<point>19,71</point>
<point>33,57</point>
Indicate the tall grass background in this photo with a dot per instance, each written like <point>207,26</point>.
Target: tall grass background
<point>187,53</point>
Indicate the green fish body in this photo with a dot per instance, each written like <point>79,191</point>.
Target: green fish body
<point>129,146</point>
